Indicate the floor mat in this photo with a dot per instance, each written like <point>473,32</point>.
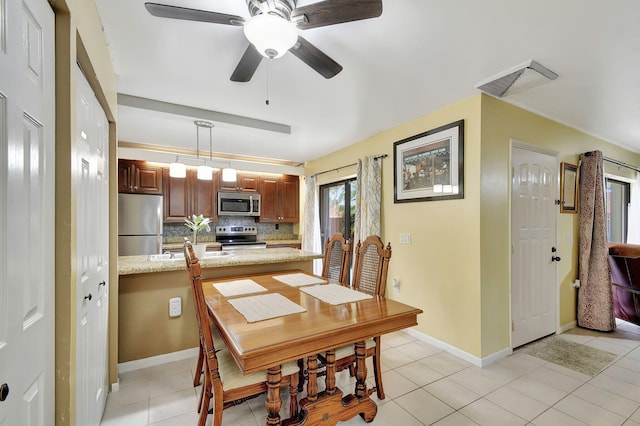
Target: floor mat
<point>575,356</point>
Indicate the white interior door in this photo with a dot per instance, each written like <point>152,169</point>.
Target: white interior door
<point>533,234</point>
<point>27,206</point>
<point>91,177</point>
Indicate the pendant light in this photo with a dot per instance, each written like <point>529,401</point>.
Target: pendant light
<point>204,172</point>
<point>177,169</point>
<point>229,174</point>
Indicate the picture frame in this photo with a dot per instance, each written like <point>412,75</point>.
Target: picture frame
<point>430,166</point>
<point>568,188</point>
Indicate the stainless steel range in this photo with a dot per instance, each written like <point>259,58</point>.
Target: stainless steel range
<point>238,237</point>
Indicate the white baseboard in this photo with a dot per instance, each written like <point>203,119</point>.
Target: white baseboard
<point>466,356</point>
<point>157,360</point>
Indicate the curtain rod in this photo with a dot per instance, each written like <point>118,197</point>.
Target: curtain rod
<point>348,165</point>
<point>620,163</point>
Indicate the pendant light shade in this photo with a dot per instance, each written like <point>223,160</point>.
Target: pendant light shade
<point>177,170</point>
<point>229,174</point>
<point>204,173</point>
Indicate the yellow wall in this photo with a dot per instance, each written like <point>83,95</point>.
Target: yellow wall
<point>500,123</point>
<point>79,38</point>
<point>457,269</point>
<point>438,272</point>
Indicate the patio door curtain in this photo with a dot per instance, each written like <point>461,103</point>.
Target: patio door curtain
<point>595,299</point>
<point>311,234</point>
<point>368,199</point>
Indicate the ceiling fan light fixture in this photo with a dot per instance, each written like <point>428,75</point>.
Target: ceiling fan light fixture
<point>271,35</point>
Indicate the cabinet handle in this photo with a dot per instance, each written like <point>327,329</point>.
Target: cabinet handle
<point>102,283</point>
<point>88,297</point>
<point>135,188</point>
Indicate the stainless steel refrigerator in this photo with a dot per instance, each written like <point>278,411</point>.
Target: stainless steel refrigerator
<point>139,224</point>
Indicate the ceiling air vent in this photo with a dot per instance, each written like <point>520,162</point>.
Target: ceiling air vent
<point>527,75</point>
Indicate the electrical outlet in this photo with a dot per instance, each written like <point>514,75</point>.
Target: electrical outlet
<point>175,307</point>
<point>396,285</point>
<point>405,238</point>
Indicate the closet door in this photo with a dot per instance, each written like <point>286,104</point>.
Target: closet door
<point>90,172</point>
<point>27,208</point>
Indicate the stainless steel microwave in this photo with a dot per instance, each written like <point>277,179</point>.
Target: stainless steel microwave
<point>238,204</point>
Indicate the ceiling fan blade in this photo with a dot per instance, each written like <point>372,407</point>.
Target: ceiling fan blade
<point>176,12</point>
<point>315,58</point>
<point>330,12</point>
<point>247,65</point>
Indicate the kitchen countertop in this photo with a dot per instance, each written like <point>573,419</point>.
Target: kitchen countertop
<point>128,265</point>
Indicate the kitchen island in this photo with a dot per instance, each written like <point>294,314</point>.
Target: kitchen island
<point>143,325</point>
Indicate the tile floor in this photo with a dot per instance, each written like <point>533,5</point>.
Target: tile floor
<point>426,386</point>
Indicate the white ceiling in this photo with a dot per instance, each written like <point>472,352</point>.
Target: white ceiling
<point>417,57</point>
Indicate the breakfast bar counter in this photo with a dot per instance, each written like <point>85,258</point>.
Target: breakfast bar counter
<point>128,265</point>
<point>141,323</point>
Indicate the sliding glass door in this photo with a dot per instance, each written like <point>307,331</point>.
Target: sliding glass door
<point>617,210</point>
<point>337,209</point>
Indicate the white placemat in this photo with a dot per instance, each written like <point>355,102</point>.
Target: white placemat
<point>335,294</point>
<point>238,287</point>
<point>299,279</point>
<point>265,306</point>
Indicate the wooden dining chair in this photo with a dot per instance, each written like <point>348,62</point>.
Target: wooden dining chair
<point>337,253</point>
<point>224,382</point>
<point>369,276</point>
<point>198,372</point>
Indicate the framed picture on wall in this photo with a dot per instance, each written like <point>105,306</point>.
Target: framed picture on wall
<point>568,188</point>
<point>430,166</point>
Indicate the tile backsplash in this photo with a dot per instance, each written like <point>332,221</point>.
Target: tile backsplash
<point>175,232</point>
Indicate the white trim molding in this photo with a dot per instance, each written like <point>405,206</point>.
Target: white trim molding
<point>466,356</point>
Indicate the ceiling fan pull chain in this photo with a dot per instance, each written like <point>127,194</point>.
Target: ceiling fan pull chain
<point>268,73</point>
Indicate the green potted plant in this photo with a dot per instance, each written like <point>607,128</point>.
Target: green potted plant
<point>197,224</point>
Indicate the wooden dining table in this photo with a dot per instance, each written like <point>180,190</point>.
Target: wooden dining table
<point>321,327</point>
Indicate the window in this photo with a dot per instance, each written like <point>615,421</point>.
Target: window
<point>617,198</point>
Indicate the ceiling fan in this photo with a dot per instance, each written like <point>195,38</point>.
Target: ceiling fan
<point>272,29</point>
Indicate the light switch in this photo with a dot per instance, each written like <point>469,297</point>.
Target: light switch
<point>175,307</point>
<point>405,238</point>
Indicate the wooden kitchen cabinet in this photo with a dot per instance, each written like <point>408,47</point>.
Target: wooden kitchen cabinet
<point>184,197</point>
<point>280,199</point>
<point>243,183</point>
<point>139,177</point>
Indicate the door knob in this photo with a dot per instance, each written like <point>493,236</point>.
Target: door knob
<point>4,391</point>
<point>88,297</point>
<point>555,258</point>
